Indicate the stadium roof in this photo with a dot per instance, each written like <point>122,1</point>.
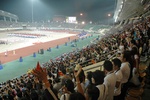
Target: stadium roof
<point>7,14</point>
<point>131,8</point>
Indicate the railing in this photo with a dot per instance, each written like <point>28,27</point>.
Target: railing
<point>94,63</point>
<point>99,65</point>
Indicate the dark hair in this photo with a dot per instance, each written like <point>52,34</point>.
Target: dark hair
<point>57,80</point>
<point>19,94</point>
<point>89,76</point>
<point>76,96</point>
<point>5,97</point>
<point>133,42</point>
<point>69,85</point>
<point>93,92</point>
<point>108,65</point>
<point>134,51</point>
<point>63,70</point>
<point>98,77</point>
<point>26,94</point>
<point>81,76</point>
<point>24,98</point>
<point>117,62</point>
<point>34,95</point>
<point>127,56</point>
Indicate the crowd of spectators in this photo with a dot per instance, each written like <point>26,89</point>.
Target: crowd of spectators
<point>42,25</point>
<point>56,80</point>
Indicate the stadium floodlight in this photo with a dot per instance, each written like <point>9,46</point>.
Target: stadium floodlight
<point>32,11</point>
<point>83,22</point>
<point>81,14</point>
<point>109,15</point>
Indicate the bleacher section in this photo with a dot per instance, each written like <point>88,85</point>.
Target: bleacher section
<point>95,27</point>
<point>39,25</point>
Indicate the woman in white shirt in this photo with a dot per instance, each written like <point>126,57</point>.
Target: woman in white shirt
<point>98,90</point>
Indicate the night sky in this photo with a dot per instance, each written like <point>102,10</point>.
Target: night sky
<point>93,10</point>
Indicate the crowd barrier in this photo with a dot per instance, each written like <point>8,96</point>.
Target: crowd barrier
<point>94,64</point>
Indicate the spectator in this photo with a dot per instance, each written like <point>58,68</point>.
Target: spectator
<point>76,96</point>
<point>135,72</point>
<point>116,65</point>
<point>67,90</point>
<point>126,68</point>
<point>110,79</point>
<point>81,77</point>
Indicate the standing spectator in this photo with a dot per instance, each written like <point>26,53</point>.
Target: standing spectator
<point>126,68</point>
<point>67,90</point>
<point>110,79</point>
<point>81,76</point>
<point>117,64</point>
<point>135,72</point>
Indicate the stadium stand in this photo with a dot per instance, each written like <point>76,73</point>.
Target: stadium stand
<point>70,75</point>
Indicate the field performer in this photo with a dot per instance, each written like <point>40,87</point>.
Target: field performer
<point>14,52</point>
<point>6,54</point>
<point>69,39</point>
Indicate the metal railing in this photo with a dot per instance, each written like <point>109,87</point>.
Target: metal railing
<point>94,63</point>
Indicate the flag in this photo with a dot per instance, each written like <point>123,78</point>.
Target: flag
<point>38,67</point>
<point>60,73</point>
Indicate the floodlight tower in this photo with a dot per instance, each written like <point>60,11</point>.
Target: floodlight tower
<point>81,14</point>
<point>81,18</point>
<point>32,11</point>
<point>109,15</point>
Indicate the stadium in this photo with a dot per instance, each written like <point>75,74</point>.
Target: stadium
<point>71,57</point>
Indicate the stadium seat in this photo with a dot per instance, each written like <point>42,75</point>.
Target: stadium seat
<point>135,92</point>
<point>128,97</point>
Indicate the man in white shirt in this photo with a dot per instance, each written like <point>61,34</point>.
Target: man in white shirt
<point>126,69</point>
<point>110,79</point>
<point>116,65</point>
